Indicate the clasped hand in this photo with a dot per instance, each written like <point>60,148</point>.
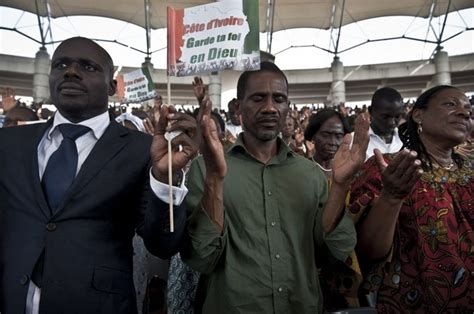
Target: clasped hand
<point>184,146</point>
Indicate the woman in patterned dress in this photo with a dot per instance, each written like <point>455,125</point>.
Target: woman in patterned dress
<point>415,212</point>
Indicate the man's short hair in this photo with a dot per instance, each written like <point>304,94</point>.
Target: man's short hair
<point>265,66</point>
<point>385,95</point>
<point>108,58</point>
<point>232,102</point>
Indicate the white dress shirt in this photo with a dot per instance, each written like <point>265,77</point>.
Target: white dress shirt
<point>376,141</point>
<point>53,138</point>
<point>234,129</point>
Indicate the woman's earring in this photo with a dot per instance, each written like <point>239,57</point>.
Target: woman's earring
<point>419,129</point>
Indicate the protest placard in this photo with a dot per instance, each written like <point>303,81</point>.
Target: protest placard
<point>213,37</point>
<point>135,86</point>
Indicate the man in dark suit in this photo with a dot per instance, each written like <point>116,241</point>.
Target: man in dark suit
<point>67,247</point>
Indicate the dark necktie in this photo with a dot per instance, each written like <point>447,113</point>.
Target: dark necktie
<point>62,165</point>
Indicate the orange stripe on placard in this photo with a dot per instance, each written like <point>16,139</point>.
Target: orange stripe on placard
<point>179,32</point>
<point>175,35</point>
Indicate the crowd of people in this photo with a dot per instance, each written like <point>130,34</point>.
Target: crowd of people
<point>275,210</point>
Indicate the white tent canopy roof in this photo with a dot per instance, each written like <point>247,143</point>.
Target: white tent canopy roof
<point>288,14</point>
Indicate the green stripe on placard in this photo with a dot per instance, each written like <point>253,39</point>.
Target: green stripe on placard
<point>252,40</point>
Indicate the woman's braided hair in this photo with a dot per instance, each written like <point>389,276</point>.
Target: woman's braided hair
<point>408,130</point>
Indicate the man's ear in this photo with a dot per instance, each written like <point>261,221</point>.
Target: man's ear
<point>112,87</point>
<point>237,107</point>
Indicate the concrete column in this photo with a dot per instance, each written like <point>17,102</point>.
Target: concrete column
<point>338,87</point>
<point>41,76</point>
<point>443,72</point>
<point>215,90</point>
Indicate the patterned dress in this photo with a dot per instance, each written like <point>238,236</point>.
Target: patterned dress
<point>431,266</point>
<point>182,286</point>
<point>140,273</point>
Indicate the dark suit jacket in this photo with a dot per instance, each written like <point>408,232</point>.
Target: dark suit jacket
<point>87,243</point>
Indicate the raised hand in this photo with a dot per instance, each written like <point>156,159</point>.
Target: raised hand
<point>199,89</point>
<point>8,98</point>
<point>343,109</point>
<point>298,145</point>
<point>349,159</point>
<point>400,175</point>
<point>211,145</point>
<point>310,149</point>
<point>299,137</point>
<point>376,231</point>
<point>148,126</point>
<point>170,121</point>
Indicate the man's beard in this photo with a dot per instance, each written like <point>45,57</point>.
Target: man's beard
<point>266,136</point>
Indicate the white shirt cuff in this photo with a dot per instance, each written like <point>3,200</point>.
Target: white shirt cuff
<point>161,190</point>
